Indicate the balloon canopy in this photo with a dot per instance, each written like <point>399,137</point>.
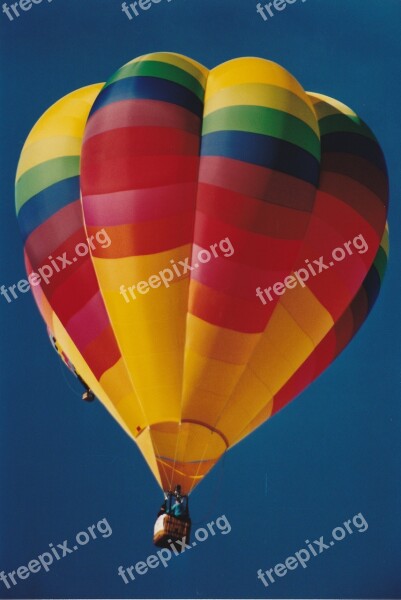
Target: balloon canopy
<point>202,245</point>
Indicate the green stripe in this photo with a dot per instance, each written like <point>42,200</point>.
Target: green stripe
<point>152,68</point>
<point>340,123</point>
<point>43,176</point>
<point>380,262</point>
<point>266,121</point>
<point>385,241</point>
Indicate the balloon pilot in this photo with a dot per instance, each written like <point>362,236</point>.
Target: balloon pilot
<point>175,504</point>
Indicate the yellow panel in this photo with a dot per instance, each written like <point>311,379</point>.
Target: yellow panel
<point>221,376</point>
<point>130,412</point>
<point>219,343</point>
<point>159,389</point>
<point>252,70</point>
<point>45,150</point>
<point>60,120</point>
<point>134,329</point>
<point>153,354</point>
<point>150,328</point>
<point>203,406</point>
<point>270,365</point>
<point>126,408</point>
<point>157,306</point>
<point>133,269</point>
<point>261,418</point>
<point>307,311</point>
<point>285,334</point>
<point>330,106</point>
<point>82,368</point>
<point>250,397</point>
<point>145,444</point>
<point>116,382</point>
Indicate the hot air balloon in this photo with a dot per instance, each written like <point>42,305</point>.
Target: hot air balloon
<point>231,236</point>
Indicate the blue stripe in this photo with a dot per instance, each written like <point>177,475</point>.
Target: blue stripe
<point>45,204</point>
<point>353,143</point>
<point>264,151</point>
<point>148,88</point>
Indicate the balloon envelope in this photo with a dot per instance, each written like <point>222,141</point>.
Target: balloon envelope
<point>235,235</point>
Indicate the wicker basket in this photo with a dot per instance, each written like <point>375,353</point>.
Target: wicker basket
<point>168,530</point>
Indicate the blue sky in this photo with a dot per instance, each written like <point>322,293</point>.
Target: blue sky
<point>333,453</point>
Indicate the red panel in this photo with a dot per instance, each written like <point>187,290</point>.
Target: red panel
<point>252,249</point>
<point>117,174</point>
<point>88,322</point>
<point>228,311</point>
<point>100,362</point>
<point>142,113</point>
<point>256,216</point>
<point>136,206</point>
<point>76,290</point>
<point>364,202</point>
<point>50,236</point>
<point>257,182</point>
<point>129,142</point>
<point>151,237</point>
<point>357,168</point>
<point>67,271</point>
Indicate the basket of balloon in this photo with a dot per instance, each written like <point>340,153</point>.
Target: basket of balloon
<point>170,530</point>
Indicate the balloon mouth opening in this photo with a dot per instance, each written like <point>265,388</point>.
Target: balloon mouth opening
<point>164,446</point>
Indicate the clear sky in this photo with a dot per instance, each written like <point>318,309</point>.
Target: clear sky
<point>333,453</point>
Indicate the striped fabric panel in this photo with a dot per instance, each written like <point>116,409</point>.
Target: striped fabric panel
<point>300,341</point>
<point>140,165</point>
<point>50,218</point>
